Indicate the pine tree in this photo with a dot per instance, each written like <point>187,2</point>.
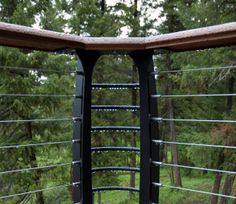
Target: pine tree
<point>171,24</point>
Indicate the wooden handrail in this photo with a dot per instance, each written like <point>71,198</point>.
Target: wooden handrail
<point>207,37</point>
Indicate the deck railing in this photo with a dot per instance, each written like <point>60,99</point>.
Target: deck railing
<point>141,51</point>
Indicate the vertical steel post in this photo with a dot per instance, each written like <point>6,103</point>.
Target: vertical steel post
<point>76,145</point>
<point>82,174</point>
<point>149,130</point>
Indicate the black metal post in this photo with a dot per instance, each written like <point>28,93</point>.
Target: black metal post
<point>82,173</point>
<point>76,145</point>
<point>149,131</point>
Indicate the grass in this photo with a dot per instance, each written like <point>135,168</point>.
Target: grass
<point>167,196</point>
<point>193,180</point>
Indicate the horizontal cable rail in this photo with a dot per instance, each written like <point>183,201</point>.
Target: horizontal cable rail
<point>115,86</point>
<point>193,120</point>
<point>191,95</point>
<point>193,167</point>
<point>40,120</point>
<point>116,168</point>
<point>37,191</point>
<point>4,68</point>
<point>37,144</point>
<point>115,107</point>
<point>36,168</point>
<point>215,36</point>
<point>195,69</point>
<point>193,144</point>
<point>118,85</point>
<point>35,95</point>
<point>115,129</point>
<point>117,149</point>
<point>115,188</point>
<point>193,190</point>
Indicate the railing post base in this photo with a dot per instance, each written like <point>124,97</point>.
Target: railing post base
<point>149,130</point>
<point>82,174</point>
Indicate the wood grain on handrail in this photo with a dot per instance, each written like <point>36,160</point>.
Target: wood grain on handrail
<point>201,38</point>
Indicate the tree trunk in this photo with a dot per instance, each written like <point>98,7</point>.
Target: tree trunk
<point>230,98</point>
<point>170,171</point>
<point>103,5</point>
<point>99,197</point>
<point>216,187</point>
<point>174,148</point>
<point>33,163</point>
<point>229,181</point>
<point>218,178</point>
<point>164,150</point>
<point>136,8</point>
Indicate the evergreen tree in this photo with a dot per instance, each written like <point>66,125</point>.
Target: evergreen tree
<point>171,24</point>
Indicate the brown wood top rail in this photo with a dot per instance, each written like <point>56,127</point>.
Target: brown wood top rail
<point>207,37</point>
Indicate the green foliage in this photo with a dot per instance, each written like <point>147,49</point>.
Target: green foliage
<point>87,18</point>
<point>35,82</point>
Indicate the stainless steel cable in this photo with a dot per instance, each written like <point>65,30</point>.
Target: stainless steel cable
<point>35,168</point>
<point>35,95</point>
<point>39,120</point>
<point>193,167</point>
<point>191,95</point>
<point>36,144</point>
<point>35,191</point>
<point>194,144</point>
<point>193,120</point>
<point>195,69</point>
<point>193,190</point>
<point>35,69</point>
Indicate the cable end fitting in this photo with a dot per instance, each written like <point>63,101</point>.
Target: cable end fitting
<point>75,141</point>
<point>76,163</point>
<point>76,184</point>
<point>157,163</point>
<point>160,142</point>
<point>158,119</point>
<point>157,184</point>
<point>76,119</point>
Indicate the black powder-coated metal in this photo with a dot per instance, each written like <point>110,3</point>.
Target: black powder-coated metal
<point>82,193</point>
<point>115,129</point>
<point>115,108</point>
<point>149,173</point>
<point>115,86</point>
<point>116,168</point>
<point>115,188</point>
<point>76,146</point>
<point>149,130</point>
<point>116,149</point>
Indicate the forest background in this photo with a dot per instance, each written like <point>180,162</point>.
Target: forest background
<point>52,73</point>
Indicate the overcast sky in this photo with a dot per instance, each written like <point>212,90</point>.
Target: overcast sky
<point>154,14</point>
